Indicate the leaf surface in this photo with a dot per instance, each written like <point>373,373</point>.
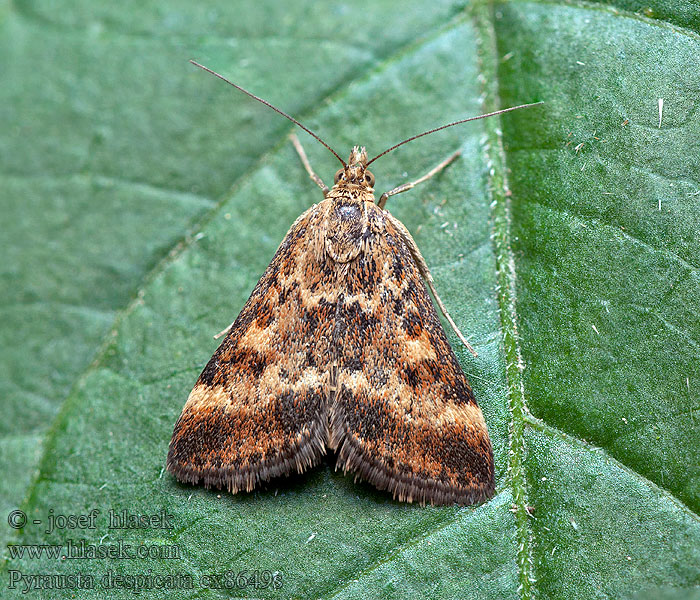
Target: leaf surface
<point>145,199</point>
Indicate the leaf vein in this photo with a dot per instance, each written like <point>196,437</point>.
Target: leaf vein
<point>553,431</point>
<point>506,277</point>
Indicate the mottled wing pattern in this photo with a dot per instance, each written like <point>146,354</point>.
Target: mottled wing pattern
<point>259,408</point>
<point>404,417</point>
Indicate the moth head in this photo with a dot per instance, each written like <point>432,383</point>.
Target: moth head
<point>355,172</point>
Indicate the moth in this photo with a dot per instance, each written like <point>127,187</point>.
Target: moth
<point>339,348</point>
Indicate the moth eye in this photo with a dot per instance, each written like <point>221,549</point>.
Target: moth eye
<point>338,175</point>
<point>369,178</point>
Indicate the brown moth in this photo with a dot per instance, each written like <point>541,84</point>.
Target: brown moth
<point>339,348</point>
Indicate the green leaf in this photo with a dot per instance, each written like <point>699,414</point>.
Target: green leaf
<point>142,199</point>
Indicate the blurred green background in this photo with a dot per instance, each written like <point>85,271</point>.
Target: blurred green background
<point>141,199</point>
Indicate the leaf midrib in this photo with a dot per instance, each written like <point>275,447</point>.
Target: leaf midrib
<point>515,394</point>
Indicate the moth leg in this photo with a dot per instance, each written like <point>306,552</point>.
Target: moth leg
<point>223,331</point>
<point>407,186</point>
<point>307,165</point>
<point>425,273</point>
<point>429,280</point>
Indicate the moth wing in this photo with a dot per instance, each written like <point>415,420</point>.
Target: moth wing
<point>404,417</point>
<point>259,408</point>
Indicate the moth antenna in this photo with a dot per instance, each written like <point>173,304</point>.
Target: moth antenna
<point>266,103</point>
<point>491,114</point>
